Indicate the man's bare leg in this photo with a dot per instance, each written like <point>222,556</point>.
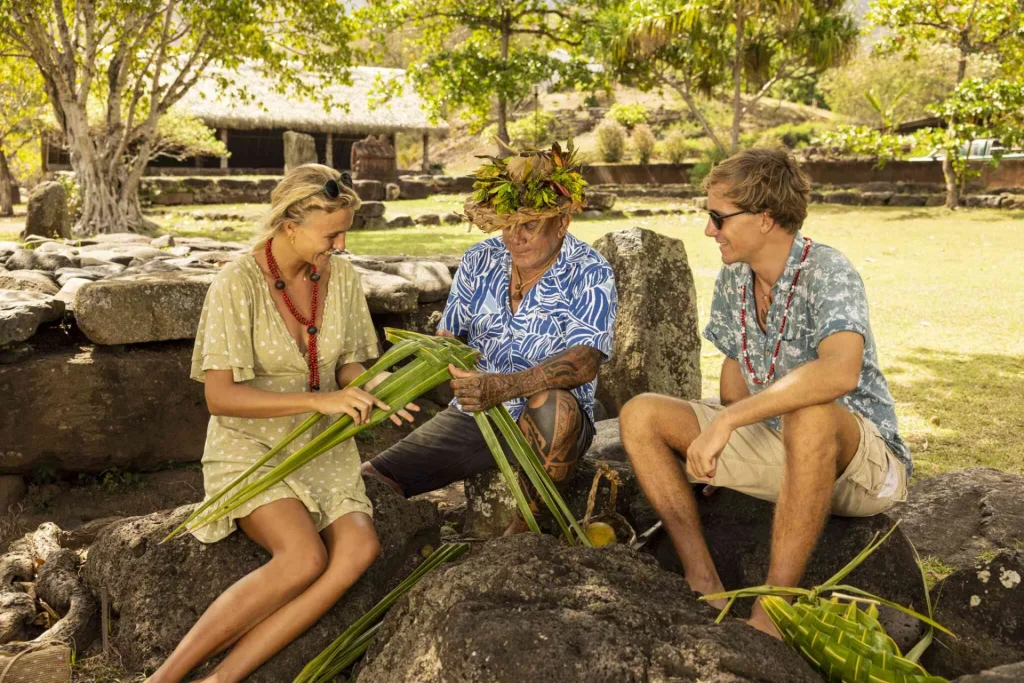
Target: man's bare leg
<point>367,468</point>
<point>820,442</point>
<point>551,424</point>
<point>656,431</point>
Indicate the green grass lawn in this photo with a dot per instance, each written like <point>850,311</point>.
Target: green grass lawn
<point>944,289</point>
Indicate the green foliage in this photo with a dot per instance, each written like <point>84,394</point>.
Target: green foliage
<point>628,115</point>
<point>679,148</point>
<point>470,53</point>
<point>712,155</point>
<point>530,132</point>
<point>180,136</point>
<point>643,142</point>
<point>691,46</point>
<point>992,26</point>
<point>902,86</point>
<point>862,140</point>
<point>133,61</point>
<point>22,108</point>
<point>791,135</point>
<point>611,140</point>
<point>976,110</point>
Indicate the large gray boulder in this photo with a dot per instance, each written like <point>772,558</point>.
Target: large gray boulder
<point>28,281</point>
<point>600,201</point>
<point>657,346</point>
<point>157,591</point>
<point>299,149</point>
<point>47,211</point>
<point>1008,673</point>
<point>430,278</point>
<point>33,259</point>
<point>21,314</point>
<point>989,516</point>
<point>92,408</point>
<point>386,293</point>
<point>607,445</point>
<point>528,608</point>
<point>143,307</point>
<point>414,189</point>
<point>984,606</point>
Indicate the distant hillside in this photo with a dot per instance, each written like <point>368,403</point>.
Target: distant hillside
<point>666,109</point>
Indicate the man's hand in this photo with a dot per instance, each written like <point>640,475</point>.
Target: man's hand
<point>478,391</point>
<point>702,455</point>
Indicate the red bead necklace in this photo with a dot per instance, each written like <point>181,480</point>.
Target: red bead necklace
<point>782,327</point>
<point>314,363</point>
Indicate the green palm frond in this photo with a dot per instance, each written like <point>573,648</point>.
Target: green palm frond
<point>352,643</point>
<point>427,369</point>
<point>843,642</point>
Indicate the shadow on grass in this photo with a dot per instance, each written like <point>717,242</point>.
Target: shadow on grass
<point>960,410</point>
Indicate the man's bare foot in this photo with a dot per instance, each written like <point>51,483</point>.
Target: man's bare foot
<point>518,526</point>
<point>709,587</point>
<point>760,620</point>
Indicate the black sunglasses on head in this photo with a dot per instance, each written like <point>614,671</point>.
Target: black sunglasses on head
<point>718,219</point>
<point>331,189</point>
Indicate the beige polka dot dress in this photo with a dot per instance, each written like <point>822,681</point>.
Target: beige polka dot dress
<point>241,330</point>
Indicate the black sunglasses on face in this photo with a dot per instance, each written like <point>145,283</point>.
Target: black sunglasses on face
<point>718,219</point>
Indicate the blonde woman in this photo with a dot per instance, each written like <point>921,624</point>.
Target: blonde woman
<point>281,330</point>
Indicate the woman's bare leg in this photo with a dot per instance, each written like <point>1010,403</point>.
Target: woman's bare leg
<point>352,546</point>
<point>298,557</point>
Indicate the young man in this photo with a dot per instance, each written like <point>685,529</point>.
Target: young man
<point>806,419</point>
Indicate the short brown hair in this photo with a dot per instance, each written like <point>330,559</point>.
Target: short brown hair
<point>768,180</point>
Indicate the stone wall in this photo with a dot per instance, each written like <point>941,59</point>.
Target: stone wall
<point>168,190</point>
<point>1009,173</point>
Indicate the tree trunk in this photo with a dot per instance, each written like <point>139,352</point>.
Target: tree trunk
<point>6,196</point>
<point>737,78</point>
<point>107,205</point>
<point>506,33</point>
<point>952,186</point>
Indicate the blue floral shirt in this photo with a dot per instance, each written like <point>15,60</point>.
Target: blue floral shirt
<point>829,298</point>
<point>574,303</point>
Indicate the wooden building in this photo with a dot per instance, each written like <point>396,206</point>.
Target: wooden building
<point>252,129</point>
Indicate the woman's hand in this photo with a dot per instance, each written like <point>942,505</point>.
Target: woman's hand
<point>352,401</point>
<point>401,414</point>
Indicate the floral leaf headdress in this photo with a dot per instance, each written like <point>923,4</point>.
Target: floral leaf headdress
<point>526,186</point>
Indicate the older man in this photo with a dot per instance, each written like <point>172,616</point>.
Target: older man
<point>539,305</point>
<point>806,418</point>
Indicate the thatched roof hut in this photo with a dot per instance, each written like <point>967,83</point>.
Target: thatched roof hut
<point>253,127</point>
<point>268,109</point>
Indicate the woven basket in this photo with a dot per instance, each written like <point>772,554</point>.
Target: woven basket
<point>487,219</point>
<point>35,663</point>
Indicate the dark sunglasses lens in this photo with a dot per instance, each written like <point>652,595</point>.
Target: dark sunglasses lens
<point>346,180</point>
<point>716,219</point>
<point>331,189</point>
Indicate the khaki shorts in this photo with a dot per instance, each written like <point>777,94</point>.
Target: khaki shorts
<point>754,460</point>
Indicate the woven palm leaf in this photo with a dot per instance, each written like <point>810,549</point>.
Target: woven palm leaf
<point>842,641</point>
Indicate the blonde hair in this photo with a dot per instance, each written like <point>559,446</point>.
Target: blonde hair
<point>768,180</point>
<point>298,194</point>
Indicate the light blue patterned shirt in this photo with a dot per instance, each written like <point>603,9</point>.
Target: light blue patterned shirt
<point>829,298</point>
<point>573,304</point>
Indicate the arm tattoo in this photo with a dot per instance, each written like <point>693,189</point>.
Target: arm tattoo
<point>571,368</point>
